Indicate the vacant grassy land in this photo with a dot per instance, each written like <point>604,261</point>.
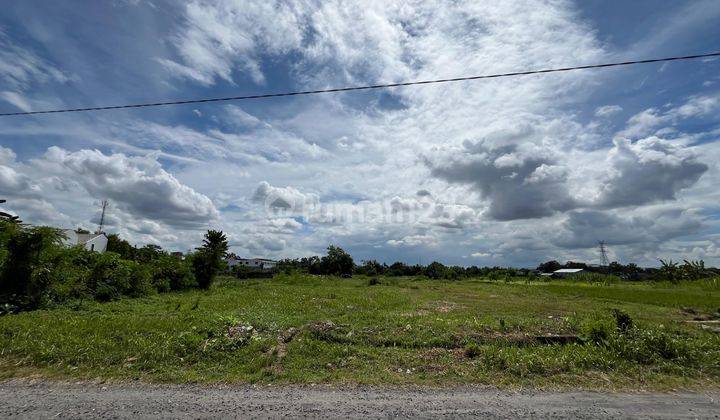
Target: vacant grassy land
<point>305,329</point>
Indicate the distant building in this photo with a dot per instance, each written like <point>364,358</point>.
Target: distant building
<point>260,263</point>
<point>91,241</point>
<point>568,272</point>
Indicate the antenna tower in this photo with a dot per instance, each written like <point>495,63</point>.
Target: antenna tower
<point>603,254</point>
<point>102,216</point>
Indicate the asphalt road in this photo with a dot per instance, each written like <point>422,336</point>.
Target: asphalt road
<point>43,399</point>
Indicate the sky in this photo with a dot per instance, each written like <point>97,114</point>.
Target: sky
<point>507,172</point>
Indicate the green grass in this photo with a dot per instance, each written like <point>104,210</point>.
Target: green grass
<point>401,331</point>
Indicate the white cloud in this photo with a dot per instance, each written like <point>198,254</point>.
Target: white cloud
<point>286,199</point>
<point>16,100</point>
<point>648,121</point>
<point>20,67</point>
<point>607,110</point>
<point>138,185</point>
<point>647,171</point>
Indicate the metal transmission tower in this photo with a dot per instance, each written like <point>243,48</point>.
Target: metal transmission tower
<point>603,254</point>
<point>102,216</point>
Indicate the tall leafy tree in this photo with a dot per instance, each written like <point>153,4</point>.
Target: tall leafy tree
<point>337,261</point>
<point>208,259</point>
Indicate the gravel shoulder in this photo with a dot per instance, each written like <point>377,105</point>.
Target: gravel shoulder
<point>47,399</point>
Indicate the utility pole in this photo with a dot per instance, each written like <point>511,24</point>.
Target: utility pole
<point>603,254</point>
<point>102,216</point>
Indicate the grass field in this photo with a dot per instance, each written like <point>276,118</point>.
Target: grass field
<point>305,329</point>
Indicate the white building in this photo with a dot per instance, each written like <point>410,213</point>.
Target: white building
<point>261,263</point>
<point>91,241</point>
<point>567,272</point>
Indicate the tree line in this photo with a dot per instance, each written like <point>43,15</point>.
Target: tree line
<point>37,270</point>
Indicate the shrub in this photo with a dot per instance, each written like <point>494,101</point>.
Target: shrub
<point>597,331</point>
<point>24,280</point>
<point>623,321</point>
<point>373,281</point>
<point>242,272</point>
<point>204,268</point>
<point>647,346</point>
<point>112,277</point>
<point>170,273</point>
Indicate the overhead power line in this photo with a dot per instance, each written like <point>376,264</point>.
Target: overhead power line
<point>368,87</point>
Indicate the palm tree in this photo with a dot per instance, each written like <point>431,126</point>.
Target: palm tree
<point>209,258</point>
<point>216,242</point>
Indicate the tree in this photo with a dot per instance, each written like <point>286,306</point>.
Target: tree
<point>208,260</point>
<point>20,281</point>
<point>549,267</point>
<point>120,246</point>
<point>371,268</point>
<point>435,270</point>
<point>337,261</point>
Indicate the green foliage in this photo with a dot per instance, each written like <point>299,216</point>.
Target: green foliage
<point>435,270</point>
<point>24,281</point>
<point>653,345</point>
<point>371,268</point>
<point>120,246</point>
<point>112,277</point>
<point>597,331</point>
<point>337,261</point>
<point>172,273</point>
<point>623,320</point>
<point>549,267</point>
<point>207,262</point>
<point>244,272</point>
<point>215,242</point>
<point>342,332</point>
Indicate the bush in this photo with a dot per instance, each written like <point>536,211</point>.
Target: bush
<point>242,272</point>
<point>24,280</point>
<point>647,346</point>
<point>171,273</point>
<point>623,321</point>
<point>597,331</point>
<point>204,267</point>
<point>373,281</point>
<point>112,277</point>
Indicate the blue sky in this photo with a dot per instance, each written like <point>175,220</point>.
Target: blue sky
<point>497,172</point>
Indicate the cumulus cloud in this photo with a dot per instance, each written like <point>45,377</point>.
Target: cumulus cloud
<point>283,198</point>
<point>648,121</point>
<point>138,185</point>
<point>516,186</point>
<point>413,241</point>
<point>647,171</point>
<point>643,229</point>
<point>13,182</point>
